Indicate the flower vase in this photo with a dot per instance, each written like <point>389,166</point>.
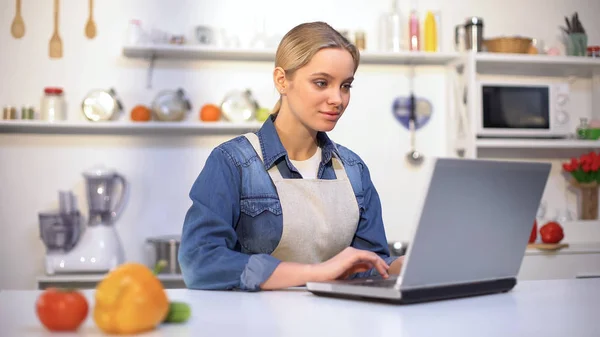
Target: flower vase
<point>589,200</point>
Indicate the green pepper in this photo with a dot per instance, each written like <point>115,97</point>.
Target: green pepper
<point>179,312</point>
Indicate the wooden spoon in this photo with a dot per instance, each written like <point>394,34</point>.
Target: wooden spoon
<point>90,27</point>
<point>55,47</point>
<point>18,25</point>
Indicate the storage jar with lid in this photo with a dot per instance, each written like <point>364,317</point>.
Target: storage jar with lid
<point>101,105</point>
<point>171,105</point>
<point>239,106</point>
<point>593,51</point>
<point>53,107</point>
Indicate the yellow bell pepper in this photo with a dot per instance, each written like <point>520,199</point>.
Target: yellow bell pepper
<point>129,300</point>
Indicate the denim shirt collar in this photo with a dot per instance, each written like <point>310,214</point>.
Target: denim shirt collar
<point>273,150</point>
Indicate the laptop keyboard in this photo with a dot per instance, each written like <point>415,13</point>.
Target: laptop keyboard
<point>378,282</point>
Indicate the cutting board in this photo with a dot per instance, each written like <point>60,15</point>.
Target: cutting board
<point>548,246</point>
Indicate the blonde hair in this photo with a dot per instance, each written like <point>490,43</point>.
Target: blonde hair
<point>300,44</point>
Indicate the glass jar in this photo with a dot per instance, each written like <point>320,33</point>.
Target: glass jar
<point>593,51</point>
<point>9,112</point>
<point>53,105</point>
<point>360,40</point>
<point>582,128</point>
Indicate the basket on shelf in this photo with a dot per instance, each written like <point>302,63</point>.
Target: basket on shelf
<point>517,45</point>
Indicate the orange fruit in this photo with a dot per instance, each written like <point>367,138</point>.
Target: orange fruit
<point>210,113</point>
<point>141,113</point>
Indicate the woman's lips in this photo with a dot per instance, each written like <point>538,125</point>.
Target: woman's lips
<point>331,115</point>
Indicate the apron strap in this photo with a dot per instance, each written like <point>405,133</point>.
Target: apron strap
<point>338,167</point>
<point>255,142</point>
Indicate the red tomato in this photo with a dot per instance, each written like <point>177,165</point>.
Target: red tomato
<point>533,235</point>
<point>552,232</point>
<point>61,310</point>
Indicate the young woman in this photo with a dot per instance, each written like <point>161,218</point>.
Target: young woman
<point>286,205</point>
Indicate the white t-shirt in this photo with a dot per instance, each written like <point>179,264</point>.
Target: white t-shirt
<point>310,167</point>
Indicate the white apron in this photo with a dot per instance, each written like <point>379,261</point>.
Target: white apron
<point>320,216</point>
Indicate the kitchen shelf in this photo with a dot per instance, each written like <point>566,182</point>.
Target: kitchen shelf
<point>537,144</point>
<point>198,52</point>
<point>127,128</point>
<point>96,277</point>
<point>536,65</point>
<point>90,281</point>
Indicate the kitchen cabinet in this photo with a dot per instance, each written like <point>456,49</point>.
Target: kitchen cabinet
<point>579,260</point>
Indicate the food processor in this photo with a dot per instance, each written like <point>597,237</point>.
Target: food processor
<point>98,248</point>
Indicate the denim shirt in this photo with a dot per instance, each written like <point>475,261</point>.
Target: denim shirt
<point>235,220</point>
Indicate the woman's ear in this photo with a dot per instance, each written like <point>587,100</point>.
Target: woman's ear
<point>280,80</point>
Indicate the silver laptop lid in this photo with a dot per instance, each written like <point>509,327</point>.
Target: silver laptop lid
<point>475,221</point>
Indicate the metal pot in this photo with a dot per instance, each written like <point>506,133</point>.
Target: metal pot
<point>165,248</point>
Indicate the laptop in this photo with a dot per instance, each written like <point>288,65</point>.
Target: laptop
<point>471,236</point>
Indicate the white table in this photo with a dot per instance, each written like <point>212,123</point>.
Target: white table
<point>533,308</point>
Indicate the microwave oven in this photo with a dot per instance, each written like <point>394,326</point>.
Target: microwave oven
<point>521,109</point>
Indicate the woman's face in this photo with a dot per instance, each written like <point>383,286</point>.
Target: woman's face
<point>319,92</point>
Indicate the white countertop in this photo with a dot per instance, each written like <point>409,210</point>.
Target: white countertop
<point>533,308</point>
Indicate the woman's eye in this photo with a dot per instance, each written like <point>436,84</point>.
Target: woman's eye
<point>347,86</point>
<point>321,84</point>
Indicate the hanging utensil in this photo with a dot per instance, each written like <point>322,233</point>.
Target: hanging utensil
<point>55,47</point>
<point>413,156</point>
<point>90,26</point>
<point>17,29</point>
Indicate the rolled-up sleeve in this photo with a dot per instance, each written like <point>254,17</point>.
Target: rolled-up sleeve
<point>370,234</point>
<point>209,253</point>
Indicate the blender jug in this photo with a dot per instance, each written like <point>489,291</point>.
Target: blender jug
<point>105,206</point>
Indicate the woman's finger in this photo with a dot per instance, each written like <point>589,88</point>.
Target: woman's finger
<point>376,261</point>
<point>360,267</point>
<point>374,258</point>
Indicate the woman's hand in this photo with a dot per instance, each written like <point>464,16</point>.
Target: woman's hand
<point>348,262</point>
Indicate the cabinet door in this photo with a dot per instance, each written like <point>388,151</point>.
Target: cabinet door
<point>559,266</point>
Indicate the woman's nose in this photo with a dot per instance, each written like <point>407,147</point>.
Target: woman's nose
<point>335,97</point>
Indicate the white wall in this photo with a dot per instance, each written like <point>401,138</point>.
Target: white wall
<point>161,168</point>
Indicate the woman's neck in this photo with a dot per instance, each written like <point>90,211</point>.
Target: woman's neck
<point>299,141</point>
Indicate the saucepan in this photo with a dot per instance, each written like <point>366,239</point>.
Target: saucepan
<point>166,248</point>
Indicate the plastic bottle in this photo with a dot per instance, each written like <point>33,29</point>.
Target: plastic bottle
<point>431,43</point>
<point>413,42</point>
<point>391,29</point>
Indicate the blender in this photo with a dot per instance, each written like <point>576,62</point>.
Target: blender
<point>98,249</point>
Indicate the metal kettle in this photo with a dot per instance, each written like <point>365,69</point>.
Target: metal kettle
<point>469,36</point>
